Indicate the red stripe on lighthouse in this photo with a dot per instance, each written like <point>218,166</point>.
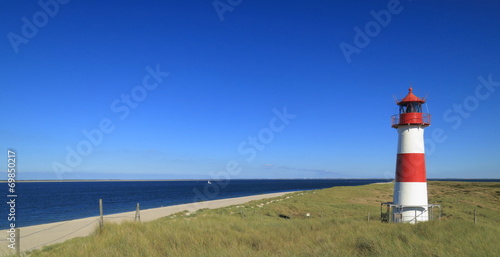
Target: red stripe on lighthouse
<point>410,167</point>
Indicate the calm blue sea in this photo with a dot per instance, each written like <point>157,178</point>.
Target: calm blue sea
<point>45,202</point>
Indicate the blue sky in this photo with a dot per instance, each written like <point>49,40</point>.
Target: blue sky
<point>245,89</point>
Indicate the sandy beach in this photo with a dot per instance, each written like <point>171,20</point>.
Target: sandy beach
<point>35,237</point>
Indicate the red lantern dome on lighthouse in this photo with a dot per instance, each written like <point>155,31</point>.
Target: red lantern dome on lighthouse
<point>410,187</point>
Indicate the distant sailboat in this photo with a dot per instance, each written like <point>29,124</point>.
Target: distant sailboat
<point>209,182</point>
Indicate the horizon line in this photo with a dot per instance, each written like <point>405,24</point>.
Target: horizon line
<point>204,179</point>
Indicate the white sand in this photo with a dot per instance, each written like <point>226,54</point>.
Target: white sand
<point>34,237</point>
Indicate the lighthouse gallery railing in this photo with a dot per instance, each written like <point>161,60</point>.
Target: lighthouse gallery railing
<point>411,118</point>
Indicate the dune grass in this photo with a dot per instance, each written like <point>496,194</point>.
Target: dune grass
<point>338,226</point>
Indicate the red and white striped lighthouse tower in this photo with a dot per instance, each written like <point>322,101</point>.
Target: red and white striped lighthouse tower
<point>410,189</point>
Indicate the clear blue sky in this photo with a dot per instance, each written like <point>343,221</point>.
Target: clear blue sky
<point>178,89</point>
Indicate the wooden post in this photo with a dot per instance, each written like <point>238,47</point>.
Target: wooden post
<point>368,218</point>
<point>475,220</point>
<point>137,213</point>
<point>381,215</point>
<point>18,242</point>
<point>101,221</point>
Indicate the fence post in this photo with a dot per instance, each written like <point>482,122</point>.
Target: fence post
<point>368,219</point>
<point>18,242</point>
<point>137,213</point>
<point>101,221</point>
<point>475,220</point>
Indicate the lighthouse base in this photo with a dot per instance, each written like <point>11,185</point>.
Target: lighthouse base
<point>410,214</point>
<point>396,213</point>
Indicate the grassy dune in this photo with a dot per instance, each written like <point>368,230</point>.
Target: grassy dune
<point>338,226</point>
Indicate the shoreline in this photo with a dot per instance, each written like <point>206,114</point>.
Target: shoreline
<point>37,236</point>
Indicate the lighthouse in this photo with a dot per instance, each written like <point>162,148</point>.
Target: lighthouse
<point>410,188</point>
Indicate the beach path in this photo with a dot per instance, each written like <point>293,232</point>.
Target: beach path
<point>35,237</point>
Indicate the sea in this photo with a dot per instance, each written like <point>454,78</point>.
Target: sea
<point>46,202</point>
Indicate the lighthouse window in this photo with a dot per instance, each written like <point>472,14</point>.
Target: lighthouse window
<point>411,107</point>
<point>416,107</point>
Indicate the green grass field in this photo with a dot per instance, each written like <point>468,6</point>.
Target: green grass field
<point>338,226</point>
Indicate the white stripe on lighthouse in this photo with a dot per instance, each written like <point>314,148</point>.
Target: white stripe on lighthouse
<point>411,139</point>
<point>410,193</point>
